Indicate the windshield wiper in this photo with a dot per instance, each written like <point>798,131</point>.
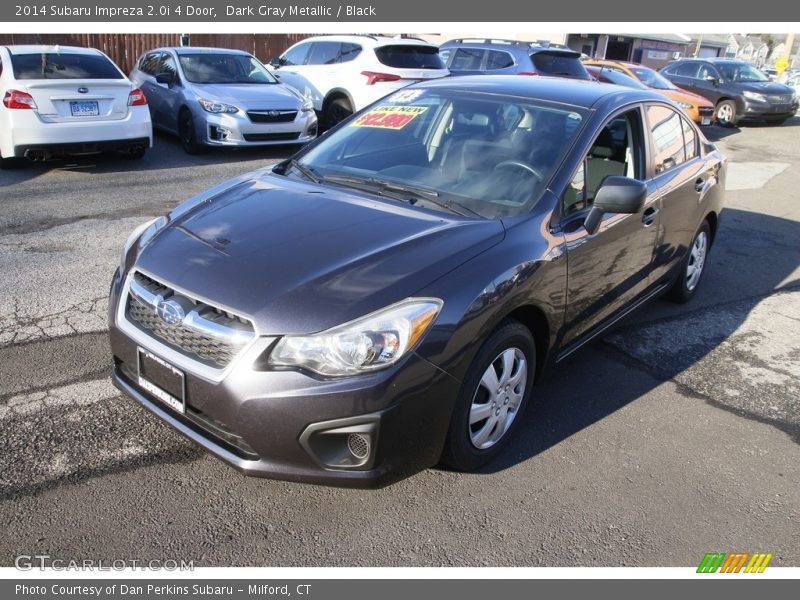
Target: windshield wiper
<point>303,170</point>
<point>402,191</point>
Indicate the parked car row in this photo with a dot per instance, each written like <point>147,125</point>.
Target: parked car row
<point>65,100</point>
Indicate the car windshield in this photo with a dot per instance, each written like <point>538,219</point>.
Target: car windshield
<point>59,65</point>
<point>224,68</point>
<point>653,79</point>
<point>741,73</point>
<point>475,154</point>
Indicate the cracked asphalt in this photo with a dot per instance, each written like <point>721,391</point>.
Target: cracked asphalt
<point>675,435</point>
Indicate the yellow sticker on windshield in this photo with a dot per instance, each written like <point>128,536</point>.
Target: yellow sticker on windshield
<point>389,117</point>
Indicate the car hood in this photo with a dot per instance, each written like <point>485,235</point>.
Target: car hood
<point>764,87</point>
<point>686,97</point>
<point>249,96</point>
<point>300,258</point>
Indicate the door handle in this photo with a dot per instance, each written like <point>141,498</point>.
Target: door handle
<point>649,216</point>
<point>699,185</point>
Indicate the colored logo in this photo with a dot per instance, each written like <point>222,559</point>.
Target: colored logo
<point>735,562</point>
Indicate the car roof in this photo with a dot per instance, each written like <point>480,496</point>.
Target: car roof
<point>368,39</point>
<point>525,46</point>
<point>50,48</point>
<point>199,50</point>
<point>577,92</point>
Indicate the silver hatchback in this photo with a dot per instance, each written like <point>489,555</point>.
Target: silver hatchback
<point>217,97</point>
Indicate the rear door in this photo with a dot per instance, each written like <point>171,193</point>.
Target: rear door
<point>71,87</point>
<point>144,77</point>
<point>319,72</point>
<point>170,96</point>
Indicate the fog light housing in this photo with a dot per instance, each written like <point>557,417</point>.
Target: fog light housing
<point>217,133</point>
<point>344,443</point>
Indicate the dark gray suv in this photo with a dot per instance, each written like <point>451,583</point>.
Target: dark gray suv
<point>737,89</point>
<point>511,57</point>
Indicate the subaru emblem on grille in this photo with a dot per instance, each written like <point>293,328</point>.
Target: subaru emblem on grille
<point>83,90</point>
<point>273,113</point>
<point>171,312</point>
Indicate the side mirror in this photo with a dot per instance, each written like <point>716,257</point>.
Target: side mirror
<point>617,194</point>
<point>711,79</point>
<point>276,62</point>
<point>166,78</point>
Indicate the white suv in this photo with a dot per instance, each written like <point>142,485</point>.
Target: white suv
<point>342,74</point>
<point>63,100</point>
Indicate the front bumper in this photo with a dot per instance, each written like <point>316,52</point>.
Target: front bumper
<point>237,130</point>
<point>268,423</point>
<point>757,109</point>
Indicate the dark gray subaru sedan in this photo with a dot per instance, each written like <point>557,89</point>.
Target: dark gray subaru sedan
<point>384,300</point>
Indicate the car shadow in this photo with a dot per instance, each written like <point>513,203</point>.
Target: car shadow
<point>166,153</point>
<point>602,379</point>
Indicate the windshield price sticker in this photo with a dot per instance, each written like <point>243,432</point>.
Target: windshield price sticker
<point>389,117</point>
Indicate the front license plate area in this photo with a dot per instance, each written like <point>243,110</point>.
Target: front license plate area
<point>161,380</point>
<point>84,108</point>
<point>705,121</point>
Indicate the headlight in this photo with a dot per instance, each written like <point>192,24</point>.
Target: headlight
<point>213,106</point>
<point>140,236</point>
<point>684,105</point>
<point>308,105</point>
<point>372,342</point>
<point>754,96</point>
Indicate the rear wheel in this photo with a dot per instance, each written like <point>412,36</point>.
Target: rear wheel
<point>692,266</point>
<point>492,398</point>
<point>726,113</point>
<point>337,111</point>
<point>187,133</point>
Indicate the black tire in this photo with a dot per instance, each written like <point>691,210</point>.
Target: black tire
<point>682,291</point>
<point>460,452</point>
<point>726,113</point>
<point>188,134</point>
<point>12,163</point>
<point>337,111</point>
<point>775,122</point>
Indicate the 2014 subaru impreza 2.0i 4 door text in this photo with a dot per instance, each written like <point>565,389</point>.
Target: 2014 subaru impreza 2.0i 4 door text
<point>384,300</point>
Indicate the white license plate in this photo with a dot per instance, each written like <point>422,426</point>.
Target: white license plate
<point>705,120</point>
<point>84,108</point>
<point>156,374</point>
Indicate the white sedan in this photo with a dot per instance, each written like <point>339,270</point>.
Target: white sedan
<point>63,100</point>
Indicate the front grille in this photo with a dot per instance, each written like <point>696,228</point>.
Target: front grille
<point>206,333</point>
<point>780,98</point>
<point>272,116</point>
<point>706,111</point>
<point>271,137</point>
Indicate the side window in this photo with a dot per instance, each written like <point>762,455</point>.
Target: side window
<point>167,64</point>
<point>297,55</point>
<point>467,59</point>
<point>617,150</point>
<point>349,52</point>
<point>323,53</point>
<point>686,70</point>
<point>667,133</point>
<point>707,71</point>
<point>497,59</point>
<point>149,63</point>
<point>689,140</point>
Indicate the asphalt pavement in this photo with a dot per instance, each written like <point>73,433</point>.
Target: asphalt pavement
<point>675,435</point>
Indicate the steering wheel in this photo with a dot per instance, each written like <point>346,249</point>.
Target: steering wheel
<point>518,164</point>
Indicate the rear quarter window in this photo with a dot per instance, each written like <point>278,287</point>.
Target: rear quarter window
<point>467,59</point>
<point>52,65</point>
<point>400,56</point>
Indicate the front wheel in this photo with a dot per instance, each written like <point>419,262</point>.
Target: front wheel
<point>692,266</point>
<point>188,134</point>
<point>726,113</point>
<point>492,398</point>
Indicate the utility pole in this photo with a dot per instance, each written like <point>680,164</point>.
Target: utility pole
<point>789,43</point>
